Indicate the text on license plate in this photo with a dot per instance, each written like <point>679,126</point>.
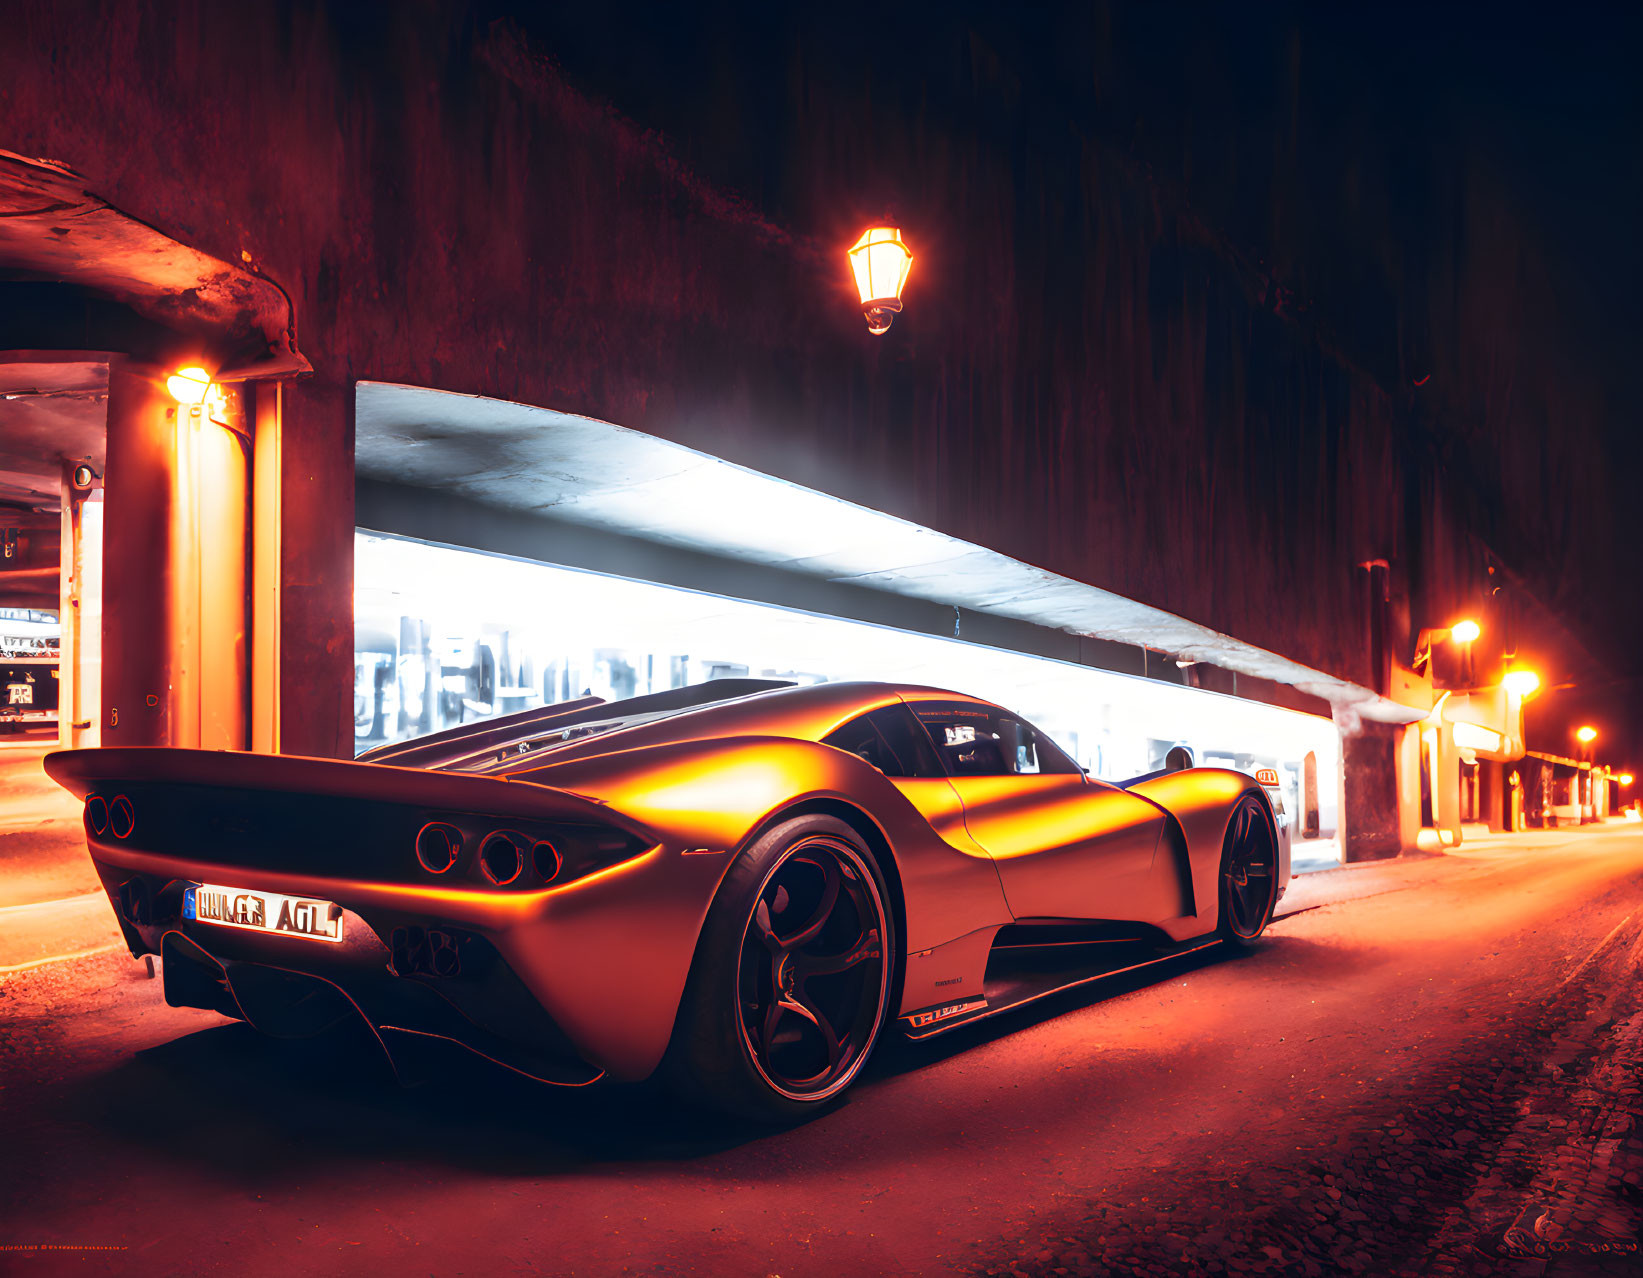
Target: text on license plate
<point>263,912</point>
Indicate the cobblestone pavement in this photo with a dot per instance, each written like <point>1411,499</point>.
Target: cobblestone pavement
<point>1523,1157</point>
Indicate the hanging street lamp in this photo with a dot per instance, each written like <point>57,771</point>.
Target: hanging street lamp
<point>880,262</point>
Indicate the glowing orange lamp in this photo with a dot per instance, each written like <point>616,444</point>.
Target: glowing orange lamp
<point>1586,735</point>
<point>1521,683</point>
<point>1465,631</point>
<point>189,385</point>
<point>880,262</point>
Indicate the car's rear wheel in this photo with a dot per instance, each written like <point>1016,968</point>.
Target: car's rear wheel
<point>1249,872</point>
<point>792,977</point>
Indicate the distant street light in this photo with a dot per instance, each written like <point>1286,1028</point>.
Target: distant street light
<point>880,262</point>
<point>1586,735</point>
<point>1463,633</point>
<point>1521,683</point>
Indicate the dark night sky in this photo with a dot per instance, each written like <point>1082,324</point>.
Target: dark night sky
<point>1346,150</point>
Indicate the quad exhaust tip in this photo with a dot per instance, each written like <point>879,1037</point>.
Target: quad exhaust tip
<point>122,817</point>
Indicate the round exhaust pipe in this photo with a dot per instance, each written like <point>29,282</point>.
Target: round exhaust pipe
<point>545,857</point>
<point>437,846</point>
<point>501,857</point>
<point>122,817</point>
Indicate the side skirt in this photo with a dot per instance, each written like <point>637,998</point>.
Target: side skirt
<point>1032,963</point>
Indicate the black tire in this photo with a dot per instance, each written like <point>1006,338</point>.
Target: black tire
<point>759,1032</point>
<point>1247,883</point>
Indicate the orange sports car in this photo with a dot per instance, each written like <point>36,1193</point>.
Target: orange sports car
<point>740,884</point>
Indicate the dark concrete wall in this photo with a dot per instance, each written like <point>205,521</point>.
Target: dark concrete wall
<point>1086,376</point>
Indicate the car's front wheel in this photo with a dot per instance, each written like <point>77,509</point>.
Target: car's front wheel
<point>792,977</point>
<point>1249,870</point>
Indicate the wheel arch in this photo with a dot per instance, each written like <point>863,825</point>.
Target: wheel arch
<point>1201,802</point>
<point>878,843</point>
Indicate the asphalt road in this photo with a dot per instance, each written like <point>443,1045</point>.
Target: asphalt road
<point>1433,1052</point>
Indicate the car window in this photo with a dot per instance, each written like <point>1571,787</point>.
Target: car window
<point>890,739</point>
<point>981,741</point>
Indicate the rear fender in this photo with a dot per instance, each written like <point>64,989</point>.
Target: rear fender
<point>1201,800</point>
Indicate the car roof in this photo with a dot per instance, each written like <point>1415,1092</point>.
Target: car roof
<point>806,713</point>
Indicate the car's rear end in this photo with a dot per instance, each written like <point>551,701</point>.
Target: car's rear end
<point>531,925</point>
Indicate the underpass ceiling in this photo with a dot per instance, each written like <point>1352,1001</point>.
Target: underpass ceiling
<point>589,472</point>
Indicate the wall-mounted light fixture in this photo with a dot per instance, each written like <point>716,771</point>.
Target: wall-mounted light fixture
<point>189,385</point>
<point>1462,632</point>
<point>1521,683</point>
<point>198,393</point>
<point>1586,735</point>
<point>880,262</point>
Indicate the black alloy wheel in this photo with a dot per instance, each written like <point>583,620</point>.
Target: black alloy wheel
<point>793,975</point>
<point>811,979</point>
<point>1249,872</point>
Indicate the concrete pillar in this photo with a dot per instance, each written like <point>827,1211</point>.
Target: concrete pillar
<point>174,626</point>
<point>316,569</point>
<point>79,687</point>
<point>267,531</point>
<point>1446,786</point>
<point>214,464</point>
<point>1372,815</point>
<point>1496,794</point>
<point>137,559</point>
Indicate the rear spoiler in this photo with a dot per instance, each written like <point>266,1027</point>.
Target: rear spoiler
<point>467,740</point>
<point>82,771</point>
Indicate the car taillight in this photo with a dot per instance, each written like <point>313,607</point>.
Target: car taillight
<point>437,846</point>
<point>96,814</point>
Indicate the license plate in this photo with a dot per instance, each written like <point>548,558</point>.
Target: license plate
<point>269,912</point>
